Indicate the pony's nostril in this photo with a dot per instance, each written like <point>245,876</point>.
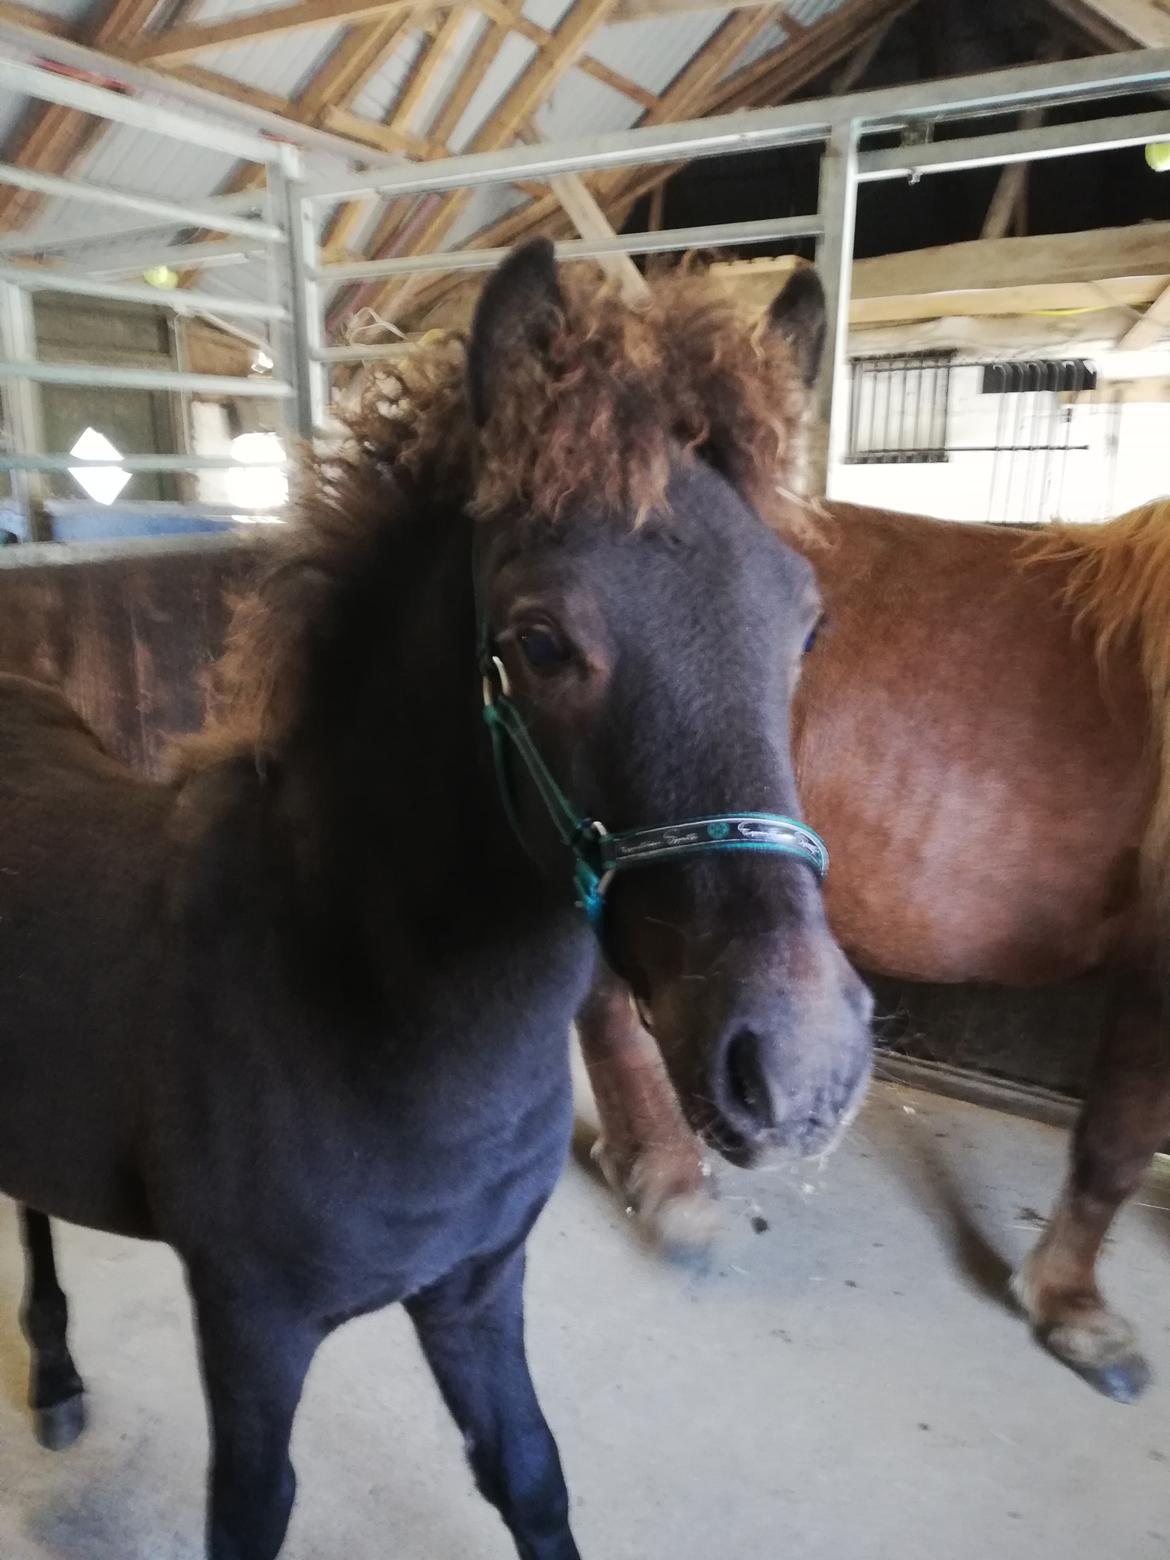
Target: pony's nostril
<point>747,1080</point>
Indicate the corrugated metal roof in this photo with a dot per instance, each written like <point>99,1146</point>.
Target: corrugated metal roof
<point>650,52</point>
<point>280,65</point>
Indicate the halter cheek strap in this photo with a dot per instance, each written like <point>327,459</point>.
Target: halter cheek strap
<point>599,855</point>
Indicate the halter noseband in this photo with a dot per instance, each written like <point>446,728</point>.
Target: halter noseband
<point>597,854</point>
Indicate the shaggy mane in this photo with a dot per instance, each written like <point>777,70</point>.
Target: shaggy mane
<point>594,418</point>
<point>1118,588</point>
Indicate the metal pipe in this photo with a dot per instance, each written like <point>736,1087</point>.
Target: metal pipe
<point>167,211</point>
<point>717,234</point>
<point>305,337</point>
<point>1045,141</point>
<point>27,80</point>
<point>838,210</point>
<point>178,463</point>
<point>36,243</point>
<point>793,124</point>
<point>181,300</point>
<point>229,251</point>
<point>63,51</point>
<point>142,379</point>
<point>22,405</point>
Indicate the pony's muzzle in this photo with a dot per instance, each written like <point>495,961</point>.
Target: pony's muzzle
<point>778,1083</point>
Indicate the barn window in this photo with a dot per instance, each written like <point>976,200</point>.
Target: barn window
<point>898,408</point>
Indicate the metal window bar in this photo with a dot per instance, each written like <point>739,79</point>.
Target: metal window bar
<point>909,393</point>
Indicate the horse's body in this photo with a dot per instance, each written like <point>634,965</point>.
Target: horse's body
<point>302,1012</point>
<point>979,737</point>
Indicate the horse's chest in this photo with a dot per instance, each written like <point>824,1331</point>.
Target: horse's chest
<point>362,1208</point>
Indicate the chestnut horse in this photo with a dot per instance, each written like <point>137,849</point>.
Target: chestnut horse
<point>303,1012</point>
<point>981,738</point>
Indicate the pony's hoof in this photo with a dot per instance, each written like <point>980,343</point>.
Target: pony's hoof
<point>671,1195</point>
<point>1124,1382</point>
<point>60,1425</point>
<point>1102,1348</point>
<point>684,1228</point>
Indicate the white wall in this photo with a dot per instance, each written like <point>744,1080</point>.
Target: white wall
<point>1125,460</point>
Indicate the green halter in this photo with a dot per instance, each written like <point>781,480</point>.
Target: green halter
<point>597,854</point>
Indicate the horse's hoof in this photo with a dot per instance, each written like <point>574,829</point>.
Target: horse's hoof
<point>1102,1348</point>
<point>1124,1382</point>
<point>672,1197</point>
<point>59,1426</point>
<point>684,1228</point>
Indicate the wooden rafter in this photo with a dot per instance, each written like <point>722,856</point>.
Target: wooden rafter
<point>785,71</point>
<point>684,94</point>
<point>51,138</point>
<point>181,43</point>
<point>488,45</point>
<point>541,37</point>
<point>1145,21</point>
<point>1154,323</point>
<point>532,86</point>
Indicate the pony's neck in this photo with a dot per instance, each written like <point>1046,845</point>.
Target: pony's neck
<point>399,827</point>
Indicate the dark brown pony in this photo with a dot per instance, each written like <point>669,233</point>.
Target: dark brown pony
<point>303,1012</point>
<point>981,737</point>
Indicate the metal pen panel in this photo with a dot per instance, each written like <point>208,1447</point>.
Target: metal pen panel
<point>180,300</point>
<point>142,379</point>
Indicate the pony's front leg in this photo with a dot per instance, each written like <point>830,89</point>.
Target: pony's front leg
<point>645,1149</point>
<point>1125,1119</point>
<point>471,1327</point>
<point>255,1356</point>
<point>55,1389</point>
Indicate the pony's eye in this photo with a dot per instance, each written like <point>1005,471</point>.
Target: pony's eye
<point>542,648</point>
<point>812,634</point>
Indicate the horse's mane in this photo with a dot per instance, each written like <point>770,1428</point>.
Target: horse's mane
<point>593,418</point>
<point>1118,588</point>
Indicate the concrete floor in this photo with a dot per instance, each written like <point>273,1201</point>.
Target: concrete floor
<point>846,1385</point>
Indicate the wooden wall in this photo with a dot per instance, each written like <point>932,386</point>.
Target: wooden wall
<point>127,637</point>
<point>130,637</point>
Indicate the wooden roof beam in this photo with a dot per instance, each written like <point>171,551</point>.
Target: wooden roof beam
<point>1146,22</point>
<point>541,37</point>
<point>180,43</point>
<point>51,138</point>
<point>804,58</point>
<point>536,81</point>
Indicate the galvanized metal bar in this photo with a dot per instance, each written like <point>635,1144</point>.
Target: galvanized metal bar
<point>167,211</point>
<point>373,352</point>
<point>22,406</point>
<point>180,299</point>
<point>719,234</point>
<point>141,379</point>
<point>38,243</point>
<point>793,124</point>
<point>838,210</point>
<point>63,51</point>
<point>1012,146</point>
<point>28,80</point>
<point>134,509</point>
<point>293,279</point>
<point>216,252</point>
<point>177,463</point>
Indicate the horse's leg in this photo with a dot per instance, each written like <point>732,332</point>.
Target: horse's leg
<point>471,1327</point>
<point>1125,1118</point>
<point>55,1392</point>
<point>255,1356</point>
<point>646,1151</point>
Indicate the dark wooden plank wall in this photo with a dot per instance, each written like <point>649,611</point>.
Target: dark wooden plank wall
<point>127,637</point>
<point>130,637</point>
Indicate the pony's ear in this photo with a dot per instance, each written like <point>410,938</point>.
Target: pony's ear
<point>518,311</point>
<point>798,316</point>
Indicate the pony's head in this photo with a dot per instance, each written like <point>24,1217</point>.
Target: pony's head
<point>648,616</point>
